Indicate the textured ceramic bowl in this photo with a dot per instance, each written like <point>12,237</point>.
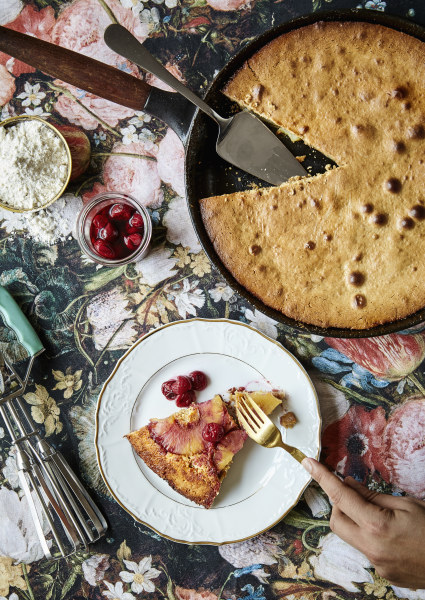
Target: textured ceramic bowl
<point>13,121</point>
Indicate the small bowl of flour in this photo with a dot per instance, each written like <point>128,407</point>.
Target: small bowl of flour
<point>35,164</point>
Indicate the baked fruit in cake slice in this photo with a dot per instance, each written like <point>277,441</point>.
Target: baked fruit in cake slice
<point>193,448</point>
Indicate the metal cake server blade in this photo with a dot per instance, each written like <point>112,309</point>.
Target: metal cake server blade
<point>243,140</point>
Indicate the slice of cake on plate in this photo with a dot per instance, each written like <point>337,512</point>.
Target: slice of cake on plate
<point>193,448</point>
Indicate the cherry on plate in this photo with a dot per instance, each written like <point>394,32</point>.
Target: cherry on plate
<point>181,385</point>
<point>120,212</point>
<point>199,380</point>
<point>104,249</point>
<point>133,241</point>
<point>213,432</point>
<point>136,220</point>
<point>167,390</point>
<point>185,399</point>
<point>100,221</point>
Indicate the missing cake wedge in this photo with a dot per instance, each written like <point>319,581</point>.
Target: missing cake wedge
<point>342,248</point>
<point>193,448</point>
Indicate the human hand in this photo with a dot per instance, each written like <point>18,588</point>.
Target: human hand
<point>389,530</point>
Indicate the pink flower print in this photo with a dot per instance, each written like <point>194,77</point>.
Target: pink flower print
<point>107,111</point>
<point>184,594</point>
<point>352,445</point>
<point>171,162</point>
<point>403,448</point>
<point>133,175</point>
<point>227,5</point>
<point>173,69</point>
<point>389,357</point>
<point>37,23</point>
<point>81,25</point>
<point>7,85</point>
<point>98,188</point>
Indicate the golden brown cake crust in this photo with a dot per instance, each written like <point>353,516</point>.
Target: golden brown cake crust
<point>193,477</point>
<point>343,249</point>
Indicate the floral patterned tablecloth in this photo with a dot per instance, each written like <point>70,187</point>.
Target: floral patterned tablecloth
<point>372,392</point>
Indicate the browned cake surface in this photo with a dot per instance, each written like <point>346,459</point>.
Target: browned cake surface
<point>193,477</point>
<point>343,249</point>
<point>175,449</point>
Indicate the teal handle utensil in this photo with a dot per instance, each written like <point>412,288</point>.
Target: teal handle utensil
<point>16,320</point>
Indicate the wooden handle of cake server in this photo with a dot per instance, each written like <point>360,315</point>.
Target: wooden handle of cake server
<point>81,71</point>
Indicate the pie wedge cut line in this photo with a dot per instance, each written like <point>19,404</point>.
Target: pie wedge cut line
<point>344,248</point>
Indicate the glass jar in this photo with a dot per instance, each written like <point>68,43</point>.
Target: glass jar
<point>88,235</point>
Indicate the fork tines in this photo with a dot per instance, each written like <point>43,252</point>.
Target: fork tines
<point>261,429</point>
<point>250,414</point>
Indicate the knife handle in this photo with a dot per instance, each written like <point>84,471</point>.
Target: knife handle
<point>72,67</point>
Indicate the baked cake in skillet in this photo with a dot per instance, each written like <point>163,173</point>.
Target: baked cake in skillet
<point>193,448</point>
<point>345,248</point>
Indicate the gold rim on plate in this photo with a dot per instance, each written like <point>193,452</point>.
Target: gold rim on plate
<point>123,357</point>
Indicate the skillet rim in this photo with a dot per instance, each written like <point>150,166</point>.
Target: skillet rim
<point>192,153</point>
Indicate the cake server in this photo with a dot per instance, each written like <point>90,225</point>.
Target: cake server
<point>243,140</point>
<point>60,507</point>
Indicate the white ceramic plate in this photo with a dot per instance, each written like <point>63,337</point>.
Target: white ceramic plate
<point>262,484</point>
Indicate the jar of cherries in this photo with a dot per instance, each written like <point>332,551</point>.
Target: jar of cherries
<point>114,229</point>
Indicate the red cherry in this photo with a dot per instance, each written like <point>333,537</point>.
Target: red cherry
<point>136,220</point>
<point>108,233</point>
<point>129,229</point>
<point>104,249</point>
<point>185,399</point>
<point>167,391</point>
<point>213,432</point>
<point>133,241</point>
<point>120,212</point>
<point>199,380</point>
<point>181,384</point>
<point>100,221</point>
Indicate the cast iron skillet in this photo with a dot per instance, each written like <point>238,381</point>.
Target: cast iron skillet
<point>206,174</point>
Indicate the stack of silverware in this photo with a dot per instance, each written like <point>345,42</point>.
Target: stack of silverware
<point>59,503</point>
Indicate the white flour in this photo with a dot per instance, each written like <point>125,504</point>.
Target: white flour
<point>50,225</point>
<point>33,164</point>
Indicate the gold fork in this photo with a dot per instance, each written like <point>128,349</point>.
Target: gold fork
<point>261,429</point>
